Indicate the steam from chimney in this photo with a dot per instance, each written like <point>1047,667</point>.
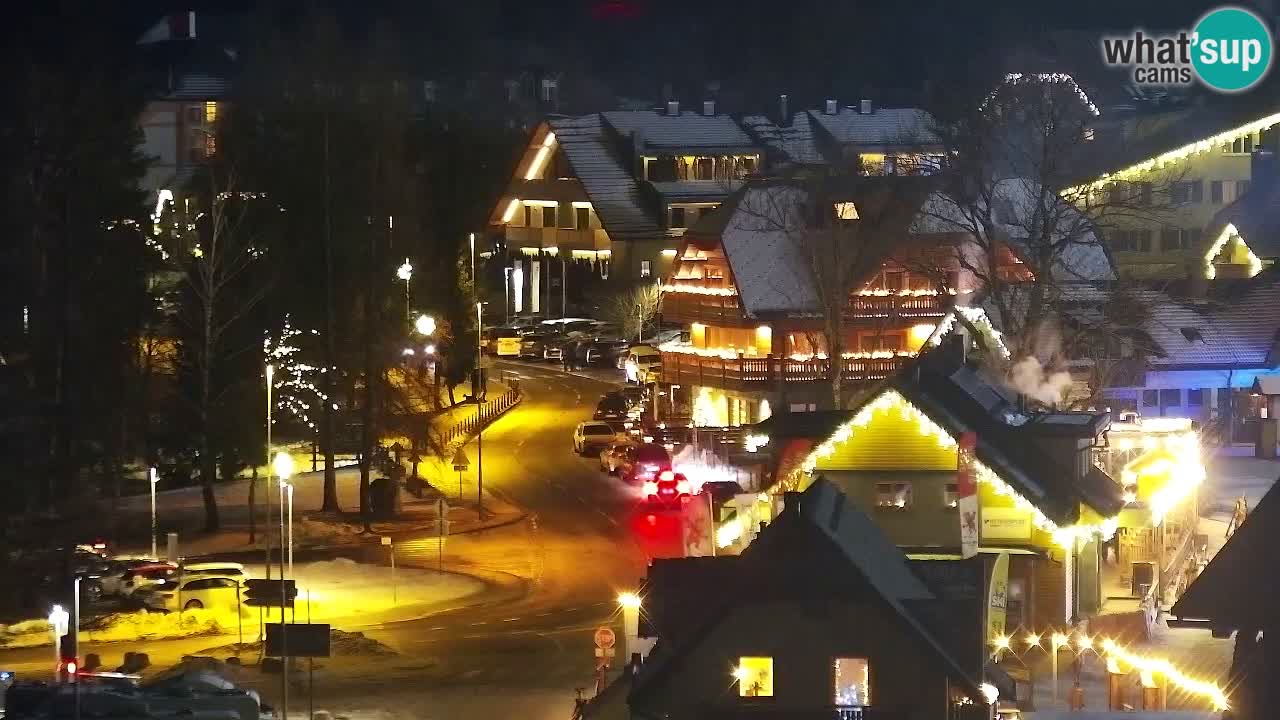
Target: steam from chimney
<point>1028,377</point>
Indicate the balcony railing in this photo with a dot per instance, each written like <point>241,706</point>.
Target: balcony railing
<point>685,308</point>
<point>565,239</point>
<point>899,305</point>
<point>832,712</point>
<point>745,373</point>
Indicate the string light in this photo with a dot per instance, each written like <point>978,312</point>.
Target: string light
<point>1149,667</point>
<point>976,317</point>
<point>1028,78</point>
<point>294,389</point>
<point>699,290</point>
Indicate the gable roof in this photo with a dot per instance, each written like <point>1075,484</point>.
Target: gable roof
<point>764,228</point>
<point>1256,217</point>
<point>615,194</point>
<point>960,399</point>
<point>884,127</point>
<point>659,131</point>
<point>1239,586</point>
<point>821,514</point>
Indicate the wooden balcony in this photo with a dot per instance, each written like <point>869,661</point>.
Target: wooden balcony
<point>899,305</point>
<point>719,310</point>
<point>768,711</point>
<point>762,373</point>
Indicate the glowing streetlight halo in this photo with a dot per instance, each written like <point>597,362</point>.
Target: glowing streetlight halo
<point>425,325</point>
<point>282,463</point>
<point>405,271</point>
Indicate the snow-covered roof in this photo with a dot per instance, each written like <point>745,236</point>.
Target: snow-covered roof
<point>1084,259</point>
<point>199,86</point>
<point>691,130</point>
<point>884,126</point>
<point>615,194</point>
<point>761,241</point>
<point>792,143</point>
<point>698,190</point>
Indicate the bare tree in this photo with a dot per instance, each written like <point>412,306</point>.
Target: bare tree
<point>1010,184</point>
<point>213,250</point>
<point>632,309</point>
<point>834,231</point>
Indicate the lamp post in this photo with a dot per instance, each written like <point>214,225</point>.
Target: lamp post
<point>155,478</point>
<point>283,466</point>
<point>506,291</point>
<point>265,531</point>
<point>58,619</point>
<point>471,240</point>
<point>405,273</point>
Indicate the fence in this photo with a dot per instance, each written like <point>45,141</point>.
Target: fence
<point>488,410</point>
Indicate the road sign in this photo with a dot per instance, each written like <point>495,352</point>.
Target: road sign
<point>604,638</point>
<point>460,460</point>
<point>298,640</point>
<point>386,540</point>
<point>266,593</point>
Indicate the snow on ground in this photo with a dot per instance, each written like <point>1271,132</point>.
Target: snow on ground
<point>338,590</point>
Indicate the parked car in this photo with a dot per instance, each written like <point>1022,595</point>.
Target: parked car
<point>606,352</point>
<point>224,569</point>
<point>668,489</point>
<point>143,577</point>
<point>504,341</point>
<point>643,463</point>
<point>642,364</point>
<point>612,457</point>
<point>112,582</point>
<point>612,406</point>
<point>589,437</point>
<point>533,345</point>
<point>193,593</point>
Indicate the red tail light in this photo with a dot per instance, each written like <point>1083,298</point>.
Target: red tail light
<point>665,475</point>
<point>650,488</point>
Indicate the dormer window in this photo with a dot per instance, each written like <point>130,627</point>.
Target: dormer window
<point>846,211</point>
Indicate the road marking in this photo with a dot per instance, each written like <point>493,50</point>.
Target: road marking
<point>543,614</point>
<point>511,620</point>
<point>606,516</point>
<point>482,622</point>
<point>438,627</point>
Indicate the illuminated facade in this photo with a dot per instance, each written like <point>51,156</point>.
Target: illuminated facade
<point>1191,166</point>
<point>756,343</point>
<point>613,192</point>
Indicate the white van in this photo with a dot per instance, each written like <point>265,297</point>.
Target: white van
<point>642,364</point>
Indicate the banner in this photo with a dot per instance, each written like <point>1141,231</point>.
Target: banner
<point>997,596</point>
<point>967,494</point>
<point>1006,524</point>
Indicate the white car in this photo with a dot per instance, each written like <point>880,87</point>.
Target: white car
<point>223,569</point>
<point>143,577</point>
<point>592,436</point>
<point>112,581</point>
<point>642,364</point>
<point>193,593</point>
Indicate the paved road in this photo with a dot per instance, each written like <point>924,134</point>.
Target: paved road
<point>584,541</point>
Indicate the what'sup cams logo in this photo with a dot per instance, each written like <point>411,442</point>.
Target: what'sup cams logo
<point>1229,50</point>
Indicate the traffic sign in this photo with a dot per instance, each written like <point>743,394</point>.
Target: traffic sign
<point>298,640</point>
<point>604,638</point>
<point>460,460</point>
<point>267,593</point>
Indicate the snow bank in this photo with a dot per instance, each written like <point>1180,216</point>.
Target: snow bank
<point>123,627</point>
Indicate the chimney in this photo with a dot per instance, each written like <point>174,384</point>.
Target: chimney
<point>673,107</point>
<point>709,107</point>
<point>865,107</point>
<point>784,117</point>
<point>832,107</point>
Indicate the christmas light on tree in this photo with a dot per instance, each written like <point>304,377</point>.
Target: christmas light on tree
<point>293,388</point>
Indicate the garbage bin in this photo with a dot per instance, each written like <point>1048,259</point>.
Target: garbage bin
<point>1144,576</point>
<point>382,497</point>
<point>1266,445</point>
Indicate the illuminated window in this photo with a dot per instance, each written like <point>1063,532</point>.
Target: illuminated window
<point>852,682</point>
<point>704,168</point>
<point>646,268</point>
<point>951,495</point>
<point>846,211</point>
<point>755,676</point>
<point>211,112</point>
<point>895,495</point>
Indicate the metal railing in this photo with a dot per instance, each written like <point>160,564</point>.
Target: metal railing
<point>488,411</point>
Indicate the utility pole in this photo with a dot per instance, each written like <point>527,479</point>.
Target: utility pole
<point>564,288</point>
<point>478,382</point>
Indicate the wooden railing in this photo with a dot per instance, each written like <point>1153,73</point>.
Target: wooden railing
<point>745,373</point>
<point>684,308</point>
<point>895,305</point>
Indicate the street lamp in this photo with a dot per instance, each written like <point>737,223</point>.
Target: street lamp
<point>283,465</point>
<point>506,291</point>
<point>471,239</point>
<point>425,325</point>
<point>405,273</point>
<point>155,478</point>
<point>58,621</point>
<point>265,529</point>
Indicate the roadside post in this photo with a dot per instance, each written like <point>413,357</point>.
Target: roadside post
<point>442,529</point>
<point>386,540</point>
<point>275,593</point>
<point>605,641</point>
